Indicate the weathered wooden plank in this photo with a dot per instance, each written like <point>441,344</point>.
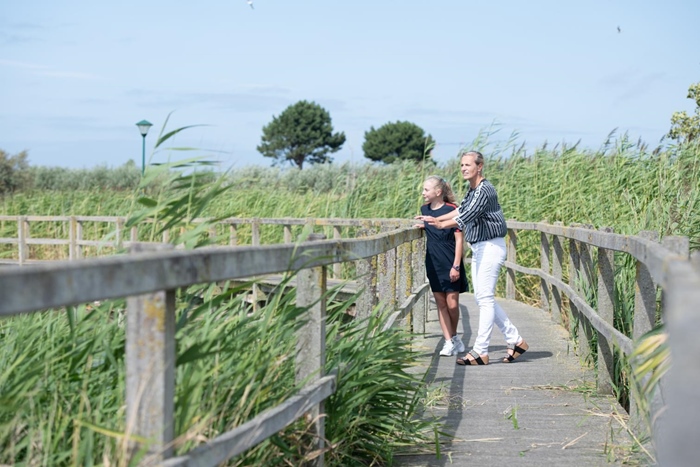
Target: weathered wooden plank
<point>66,283</point>
<point>676,430</point>
<point>545,260</point>
<point>311,345</point>
<point>612,334</point>
<point>511,257</point>
<point>405,308</point>
<point>263,426</point>
<point>150,365</point>
<point>606,310</point>
<point>557,271</point>
<point>644,294</point>
<point>654,255</point>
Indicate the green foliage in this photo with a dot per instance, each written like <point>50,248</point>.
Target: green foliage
<point>12,171</point>
<point>396,142</point>
<point>374,409</point>
<point>684,127</point>
<point>63,402</point>
<point>121,178</point>
<point>301,133</point>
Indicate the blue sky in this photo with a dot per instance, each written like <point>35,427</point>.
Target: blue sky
<point>76,75</point>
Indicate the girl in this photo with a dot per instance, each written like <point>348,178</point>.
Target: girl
<point>443,261</point>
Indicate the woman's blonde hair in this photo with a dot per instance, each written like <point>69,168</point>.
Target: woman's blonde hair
<point>441,184</point>
<point>478,157</point>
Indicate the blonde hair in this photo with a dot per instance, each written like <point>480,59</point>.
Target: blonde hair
<point>478,157</point>
<point>441,184</point>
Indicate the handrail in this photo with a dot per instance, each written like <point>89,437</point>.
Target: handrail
<point>149,280</point>
<point>576,253</point>
<point>667,267</point>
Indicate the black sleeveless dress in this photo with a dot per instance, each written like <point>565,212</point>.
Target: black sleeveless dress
<point>440,253</point>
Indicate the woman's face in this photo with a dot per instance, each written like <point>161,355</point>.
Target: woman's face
<point>470,170</point>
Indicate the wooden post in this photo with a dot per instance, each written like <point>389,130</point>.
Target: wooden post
<point>404,279</point>
<point>386,279</point>
<point>366,272</point>
<point>557,267</point>
<point>676,431</point>
<point>644,294</point>
<point>680,246</point>
<point>420,309</point>
<point>150,365</point>
<point>22,234</point>
<point>644,321</point>
<point>311,343</point>
<point>511,256</point>
<point>287,234</point>
<point>120,232</point>
<point>576,277</point>
<point>606,310</point>
<point>72,238</point>
<point>134,235</point>
<point>255,232</point>
<point>78,240</point>
<point>233,235</point>
<point>337,267</point>
<point>545,267</point>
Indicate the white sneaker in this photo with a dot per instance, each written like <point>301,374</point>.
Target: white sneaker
<point>448,349</point>
<point>459,345</point>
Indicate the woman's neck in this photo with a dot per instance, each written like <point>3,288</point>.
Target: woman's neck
<point>475,183</point>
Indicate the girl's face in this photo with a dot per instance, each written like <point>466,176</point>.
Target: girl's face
<point>470,170</point>
<point>431,192</point>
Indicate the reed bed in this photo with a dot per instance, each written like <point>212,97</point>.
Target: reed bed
<point>62,403</point>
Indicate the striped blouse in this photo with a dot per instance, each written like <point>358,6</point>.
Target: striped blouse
<point>480,216</point>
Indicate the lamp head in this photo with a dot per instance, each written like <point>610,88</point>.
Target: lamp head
<point>144,125</point>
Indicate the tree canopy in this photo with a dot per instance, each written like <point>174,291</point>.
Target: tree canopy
<point>301,133</point>
<point>12,171</point>
<point>686,128</point>
<point>397,141</point>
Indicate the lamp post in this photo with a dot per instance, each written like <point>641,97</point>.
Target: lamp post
<point>143,125</point>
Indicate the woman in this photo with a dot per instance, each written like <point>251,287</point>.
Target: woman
<point>443,261</point>
<point>481,219</point>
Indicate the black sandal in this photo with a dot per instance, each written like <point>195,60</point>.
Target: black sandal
<point>517,349</point>
<point>475,360</point>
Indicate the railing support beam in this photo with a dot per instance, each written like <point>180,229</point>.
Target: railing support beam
<point>150,366</point>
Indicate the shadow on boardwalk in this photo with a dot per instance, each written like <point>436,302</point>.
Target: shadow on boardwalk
<point>541,410</point>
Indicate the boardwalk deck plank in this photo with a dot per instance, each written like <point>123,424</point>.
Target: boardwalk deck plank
<point>560,419</point>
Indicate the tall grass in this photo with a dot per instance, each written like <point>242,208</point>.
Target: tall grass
<point>63,401</point>
<point>73,419</point>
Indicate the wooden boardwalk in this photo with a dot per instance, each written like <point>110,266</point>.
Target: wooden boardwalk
<point>539,411</point>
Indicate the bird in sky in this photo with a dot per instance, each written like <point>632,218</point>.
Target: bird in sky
<point>250,2</point>
<point>618,28</point>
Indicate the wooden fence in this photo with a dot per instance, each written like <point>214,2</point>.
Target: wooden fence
<point>585,258</point>
<point>150,276</point>
<point>575,263</point>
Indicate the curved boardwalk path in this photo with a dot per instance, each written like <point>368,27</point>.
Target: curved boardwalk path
<point>546,393</point>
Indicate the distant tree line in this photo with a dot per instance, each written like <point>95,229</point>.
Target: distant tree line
<point>17,175</point>
<point>301,134</point>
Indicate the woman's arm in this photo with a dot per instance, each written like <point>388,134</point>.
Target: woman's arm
<point>446,221</point>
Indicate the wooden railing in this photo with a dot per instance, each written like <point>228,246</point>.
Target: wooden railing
<point>150,279</point>
<point>587,258</point>
<point>574,260</point>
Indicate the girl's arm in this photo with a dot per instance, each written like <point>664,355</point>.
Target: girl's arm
<point>459,249</point>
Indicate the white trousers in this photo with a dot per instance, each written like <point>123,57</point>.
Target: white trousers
<point>487,258</point>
